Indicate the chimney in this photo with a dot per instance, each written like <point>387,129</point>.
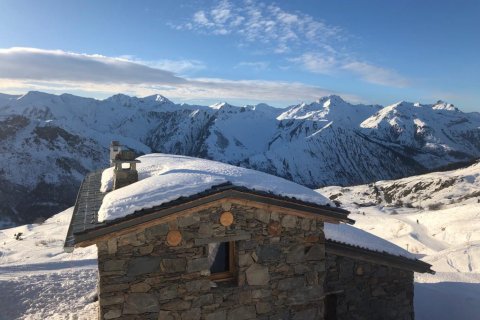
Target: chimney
<point>115,148</point>
<point>125,171</point>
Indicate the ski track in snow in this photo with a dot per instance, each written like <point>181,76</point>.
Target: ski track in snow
<point>420,233</point>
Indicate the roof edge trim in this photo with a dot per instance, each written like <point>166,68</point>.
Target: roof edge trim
<point>170,208</point>
<point>383,258</point>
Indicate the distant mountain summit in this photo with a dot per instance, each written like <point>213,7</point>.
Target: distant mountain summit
<point>49,142</point>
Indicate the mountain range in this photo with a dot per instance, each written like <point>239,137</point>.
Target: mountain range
<point>49,142</point>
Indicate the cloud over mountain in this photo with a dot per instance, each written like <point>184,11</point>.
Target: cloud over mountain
<point>23,69</point>
<point>58,65</point>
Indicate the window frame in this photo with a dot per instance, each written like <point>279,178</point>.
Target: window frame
<point>230,274</point>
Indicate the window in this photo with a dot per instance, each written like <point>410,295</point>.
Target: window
<point>221,259</point>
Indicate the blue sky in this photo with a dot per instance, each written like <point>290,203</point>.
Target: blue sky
<point>281,52</point>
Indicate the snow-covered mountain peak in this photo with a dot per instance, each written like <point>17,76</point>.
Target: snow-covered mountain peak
<point>260,107</point>
<point>317,110</point>
<point>119,97</point>
<point>265,109</point>
<point>123,100</point>
<point>402,105</point>
<point>158,98</point>
<point>36,97</point>
<point>314,144</point>
<point>332,99</point>
<point>426,129</point>
<point>440,105</point>
<point>330,108</point>
<point>403,112</point>
<point>149,102</point>
<point>222,106</point>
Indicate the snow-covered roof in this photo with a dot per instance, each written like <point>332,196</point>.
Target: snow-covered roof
<point>350,235</point>
<point>164,178</point>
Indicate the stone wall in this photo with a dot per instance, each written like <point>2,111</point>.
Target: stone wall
<point>369,291</point>
<point>278,276</point>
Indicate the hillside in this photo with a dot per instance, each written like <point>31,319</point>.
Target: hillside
<point>63,284</point>
<point>39,281</point>
<point>49,142</point>
<point>437,217</point>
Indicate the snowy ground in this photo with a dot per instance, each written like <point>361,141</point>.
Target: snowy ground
<point>448,239</point>
<point>39,281</point>
<point>446,236</point>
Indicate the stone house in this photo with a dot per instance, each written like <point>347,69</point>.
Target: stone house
<point>195,239</point>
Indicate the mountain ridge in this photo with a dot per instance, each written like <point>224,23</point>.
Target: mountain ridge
<point>48,142</point>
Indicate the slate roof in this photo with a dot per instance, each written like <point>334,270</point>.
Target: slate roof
<point>89,200</point>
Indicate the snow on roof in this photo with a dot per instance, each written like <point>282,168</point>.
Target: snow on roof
<point>350,235</point>
<point>164,178</point>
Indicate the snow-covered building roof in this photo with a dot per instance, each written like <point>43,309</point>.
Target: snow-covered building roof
<point>349,241</point>
<point>347,234</point>
<point>170,183</point>
<point>164,178</point>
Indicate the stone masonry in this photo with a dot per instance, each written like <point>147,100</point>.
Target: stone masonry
<point>369,291</point>
<point>278,276</point>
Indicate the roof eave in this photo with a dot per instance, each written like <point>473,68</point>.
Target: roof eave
<point>383,258</point>
<point>147,215</point>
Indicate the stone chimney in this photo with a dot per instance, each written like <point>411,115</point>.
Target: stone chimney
<point>115,148</point>
<point>125,171</point>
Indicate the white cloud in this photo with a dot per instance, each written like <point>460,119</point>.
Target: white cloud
<point>200,18</point>
<point>49,65</point>
<point>334,64</point>
<point>255,65</point>
<point>257,89</point>
<point>376,75</point>
<point>317,63</point>
<point>268,27</point>
<point>23,69</point>
<point>222,12</point>
<point>175,66</point>
<point>255,22</point>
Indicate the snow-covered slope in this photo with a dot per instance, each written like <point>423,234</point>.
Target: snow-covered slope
<point>39,281</point>
<point>433,133</point>
<point>49,142</point>
<point>435,216</point>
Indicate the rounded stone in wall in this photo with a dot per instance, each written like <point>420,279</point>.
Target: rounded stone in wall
<point>226,218</point>
<point>359,271</point>
<point>274,228</point>
<point>174,237</point>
